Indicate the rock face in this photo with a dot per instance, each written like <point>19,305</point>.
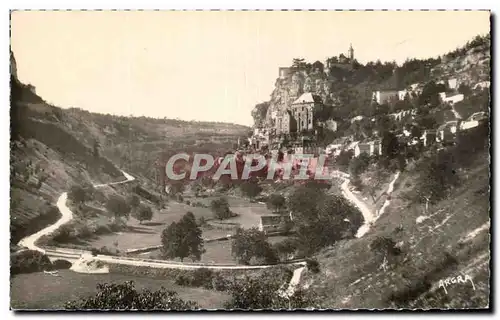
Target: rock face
<point>13,66</point>
<point>288,89</point>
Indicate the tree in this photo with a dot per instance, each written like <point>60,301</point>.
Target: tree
<point>343,159</point>
<point>28,261</point>
<point>335,218</point>
<point>390,145</point>
<point>118,207</point>
<point>176,187</point>
<point>299,63</point>
<point>96,149</point>
<point>430,94</point>
<point>250,188</point>
<point>183,239</point>
<point>252,243</point>
<point>464,89</point>
<point>134,201</point>
<point>359,164</point>
<point>196,188</point>
<point>302,202</point>
<point>220,208</point>
<point>276,202</point>
<point>81,194</point>
<point>124,296</point>
<point>143,213</point>
<point>285,248</point>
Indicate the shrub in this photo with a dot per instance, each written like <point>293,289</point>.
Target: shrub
<point>198,278</point>
<point>29,261</point>
<point>312,265</point>
<point>61,264</point>
<point>219,283</point>
<point>384,246</point>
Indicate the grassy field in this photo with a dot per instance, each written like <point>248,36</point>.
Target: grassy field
<point>149,233</point>
<point>43,291</point>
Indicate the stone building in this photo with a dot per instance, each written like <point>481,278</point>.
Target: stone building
<point>303,110</point>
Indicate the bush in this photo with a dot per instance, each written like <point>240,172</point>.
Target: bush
<point>61,264</point>
<point>219,283</point>
<point>384,246</point>
<point>198,278</point>
<point>202,278</point>
<point>29,261</point>
<point>312,265</point>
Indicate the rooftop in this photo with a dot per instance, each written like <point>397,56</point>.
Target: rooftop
<point>308,97</point>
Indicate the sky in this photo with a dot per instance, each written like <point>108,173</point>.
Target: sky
<point>213,65</point>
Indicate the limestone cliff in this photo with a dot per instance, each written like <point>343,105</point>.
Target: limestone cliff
<point>288,89</point>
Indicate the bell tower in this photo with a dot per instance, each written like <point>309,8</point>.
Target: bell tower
<point>351,52</point>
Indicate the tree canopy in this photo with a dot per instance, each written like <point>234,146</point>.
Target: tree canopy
<point>252,243</point>
<point>183,239</point>
<point>143,213</point>
<point>118,206</point>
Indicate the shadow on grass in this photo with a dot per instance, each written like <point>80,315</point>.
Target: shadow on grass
<point>152,224</point>
<point>139,230</point>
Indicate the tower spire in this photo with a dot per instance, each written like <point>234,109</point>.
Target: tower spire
<point>351,52</point>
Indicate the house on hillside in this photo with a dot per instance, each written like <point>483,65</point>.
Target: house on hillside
<point>474,120</point>
<point>451,99</point>
<point>385,96</point>
<point>274,223</point>
<point>361,148</point>
<point>371,148</point>
<point>402,94</point>
<point>357,118</point>
<point>453,83</point>
<point>446,132</point>
<point>352,146</point>
<point>482,85</point>
<point>428,137</point>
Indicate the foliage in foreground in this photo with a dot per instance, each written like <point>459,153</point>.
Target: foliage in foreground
<point>124,296</point>
<point>267,292</point>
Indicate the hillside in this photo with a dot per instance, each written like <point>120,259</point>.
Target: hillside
<point>410,248</point>
<point>53,149</point>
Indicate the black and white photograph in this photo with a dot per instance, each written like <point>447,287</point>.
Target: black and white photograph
<point>250,160</point>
